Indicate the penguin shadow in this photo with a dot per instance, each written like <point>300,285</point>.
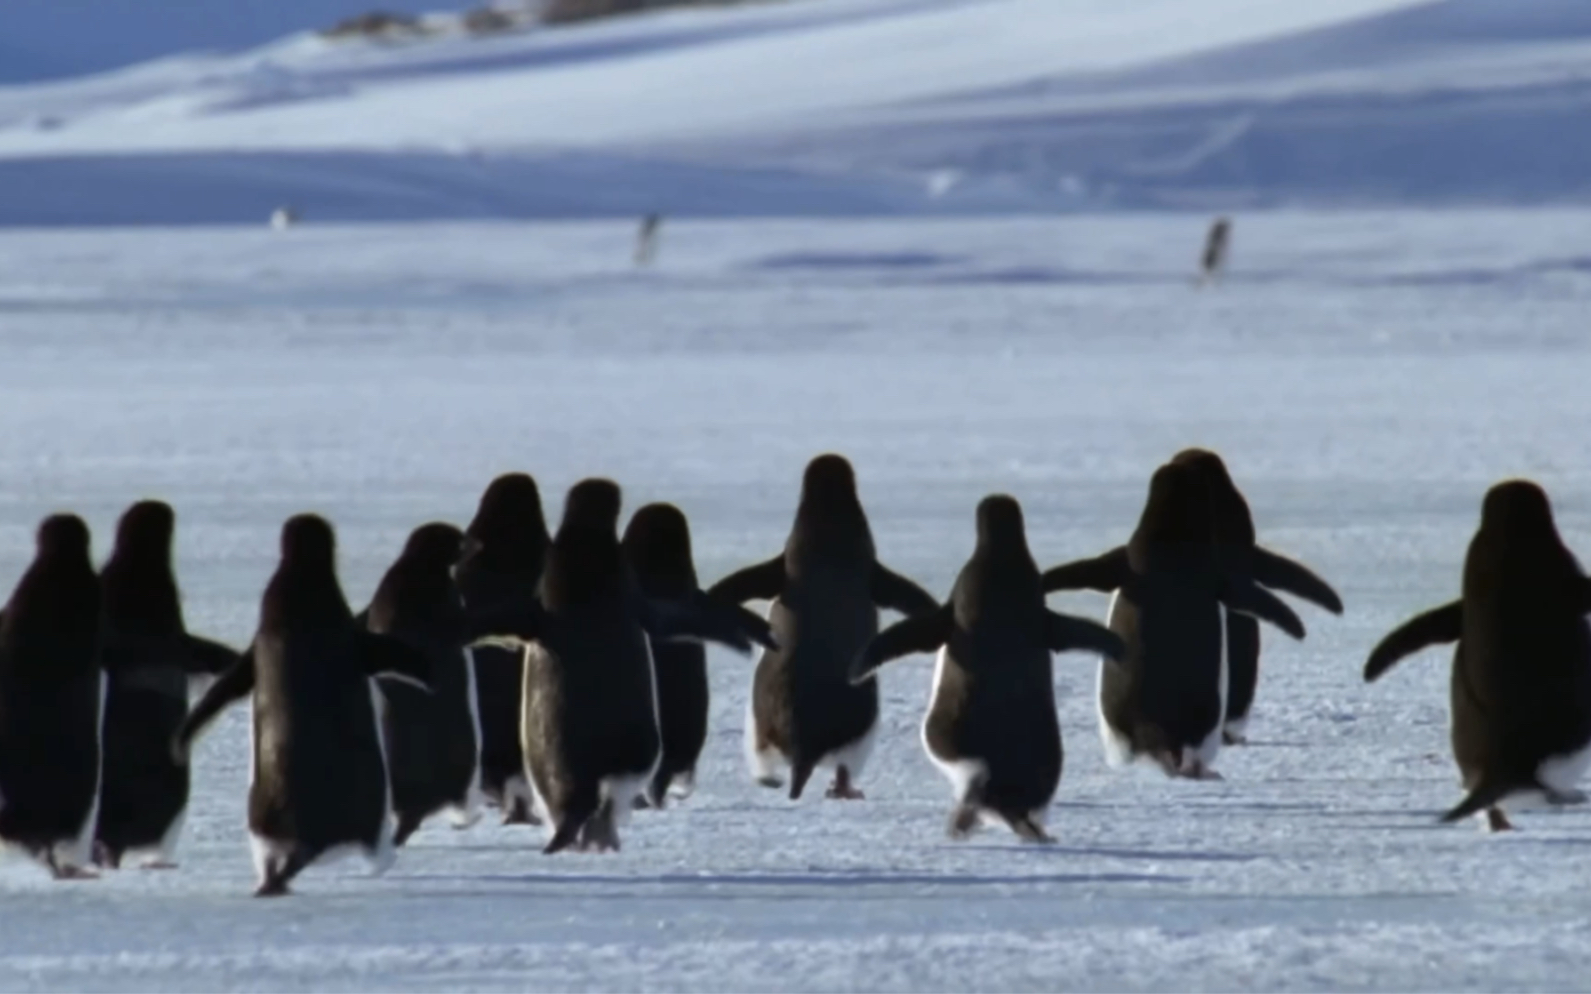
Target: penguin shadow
<point>1103,852</point>
<point>705,884</point>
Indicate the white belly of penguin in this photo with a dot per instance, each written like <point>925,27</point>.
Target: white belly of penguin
<point>962,773</point>
<point>1118,746</point>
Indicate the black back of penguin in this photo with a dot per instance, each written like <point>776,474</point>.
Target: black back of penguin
<point>1241,556</point>
<point>590,714</point>
<point>803,703</point>
<point>51,699</point>
<point>1522,689</point>
<point>149,658</point>
<point>504,568</point>
<point>1171,620</point>
<point>827,587</point>
<point>657,546</point>
<point>319,775</point>
<point>995,700</point>
<point>431,736</point>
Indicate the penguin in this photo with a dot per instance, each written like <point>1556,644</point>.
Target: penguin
<point>149,658</point>
<point>991,726</point>
<point>1216,246</point>
<point>1235,538</point>
<point>1521,678</point>
<point>52,703</point>
<point>432,737</point>
<point>657,546</point>
<point>826,588</point>
<point>590,729</point>
<point>318,780</point>
<point>504,568</point>
<point>1166,700</point>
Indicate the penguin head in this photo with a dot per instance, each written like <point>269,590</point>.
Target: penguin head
<point>63,536</point>
<point>1518,508</point>
<point>145,530</point>
<point>1178,508</point>
<point>658,535</point>
<point>592,506</point>
<point>308,540</point>
<point>1209,465</point>
<point>437,543</point>
<point>657,545</point>
<point>1000,521</point>
<point>509,512</point>
<point>827,477</point>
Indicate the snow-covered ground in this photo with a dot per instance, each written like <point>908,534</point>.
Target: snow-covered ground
<point>1366,375</point>
<point>834,107</point>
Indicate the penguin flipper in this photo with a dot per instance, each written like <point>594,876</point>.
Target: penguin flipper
<point>229,688</point>
<point>701,617</point>
<point>1102,573</point>
<point>389,658</point>
<point>921,633</point>
<point>1251,599</point>
<point>1064,632</point>
<point>1434,627</point>
<point>897,593</point>
<point>205,657</point>
<point>1280,573</point>
<point>762,582</point>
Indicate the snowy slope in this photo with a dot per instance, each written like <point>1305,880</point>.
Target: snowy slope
<point>78,36</point>
<point>837,106</point>
<point>1366,375</point>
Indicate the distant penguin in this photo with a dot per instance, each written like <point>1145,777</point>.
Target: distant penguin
<point>432,737</point>
<point>504,569</point>
<point>1521,683</point>
<point>657,545</point>
<point>826,588</point>
<point>646,239</point>
<point>1235,539</point>
<point>52,700</point>
<point>1216,246</point>
<point>1167,699</point>
<point>318,781</point>
<point>149,658</point>
<point>590,728</point>
<point>991,726</point>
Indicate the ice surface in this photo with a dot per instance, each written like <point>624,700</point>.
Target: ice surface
<point>834,107</point>
<point>1367,376</point>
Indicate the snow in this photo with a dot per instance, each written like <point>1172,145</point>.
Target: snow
<point>834,107</point>
<point>1366,376</point>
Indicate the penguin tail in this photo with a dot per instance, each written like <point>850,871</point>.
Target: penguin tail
<point>800,773</point>
<point>1486,794</point>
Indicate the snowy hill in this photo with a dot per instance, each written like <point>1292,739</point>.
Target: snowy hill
<point>836,107</point>
<point>58,37</point>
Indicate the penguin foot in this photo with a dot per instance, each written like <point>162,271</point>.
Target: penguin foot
<point>1030,831</point>
<point>771,782</point>
<point>1231,738</point>
<point>963,822</point>
<point>1496,821</point>
<point>519,813</point>
<point>106,857</point>
<point>841,789</point>
<point>274,887</point>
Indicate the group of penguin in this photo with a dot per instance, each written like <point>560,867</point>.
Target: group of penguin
<point>562,678</point>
